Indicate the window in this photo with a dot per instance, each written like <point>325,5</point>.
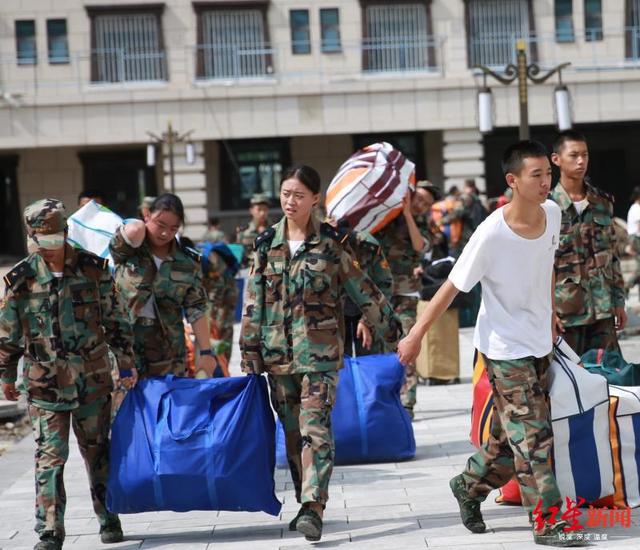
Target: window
<point>233,43</point>
<point>632,30</point>
<point>250,167</point>
<point>397,37</point>
<point>593,20</point>
<point>26,49</point>
<point>57,46</point>
<point>127,44</point>
<point>300,33</point>
<point>330,30</point>
<point>564,21</point>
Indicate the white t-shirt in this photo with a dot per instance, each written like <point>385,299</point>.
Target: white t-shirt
<point>581,205</point>
<point>293,247</point>
<point>148,310</point>
<point>515,314</point>
<point>633,219</point>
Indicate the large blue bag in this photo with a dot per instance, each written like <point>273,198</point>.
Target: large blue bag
<point>369,422</point>
<point>182,444</point>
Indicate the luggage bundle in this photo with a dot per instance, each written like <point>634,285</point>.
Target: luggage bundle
<point>182,444</point>
<point>582,457</point>
<point>368,189</point>
<point>369,422</point>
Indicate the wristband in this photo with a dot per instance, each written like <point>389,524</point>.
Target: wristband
<point>205,352</point>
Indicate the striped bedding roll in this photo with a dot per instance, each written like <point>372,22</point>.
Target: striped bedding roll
<point>368,189</point>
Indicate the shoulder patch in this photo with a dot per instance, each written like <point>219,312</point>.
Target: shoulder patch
<point>90,259</point>
<point>18,274</point>
<point>193,254</point>
<point>265,237</point>
<point>337,235</point>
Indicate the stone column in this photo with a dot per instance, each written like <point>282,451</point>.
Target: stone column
<point>463,155</point>
<point>190,186</point>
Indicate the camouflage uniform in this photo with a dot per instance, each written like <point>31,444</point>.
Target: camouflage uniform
<point>64,327</point>
<point>291,330</point>
<point>364,248</point>
<point>588,276</point>
<point>521,437</point>
<point>176,289</point>
<point>403,259</point>
<point>246,235</point>
<point>222,290</point>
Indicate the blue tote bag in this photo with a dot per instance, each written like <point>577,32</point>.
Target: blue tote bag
<point>368,420</point>
<point>182,444</point>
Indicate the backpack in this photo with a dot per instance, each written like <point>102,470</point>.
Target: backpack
<point>478,213</point>
<point>224,252</point>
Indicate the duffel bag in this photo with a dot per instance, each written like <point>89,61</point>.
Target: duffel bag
<point>182,444</point>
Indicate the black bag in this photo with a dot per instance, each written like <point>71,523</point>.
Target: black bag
<point>434,276</point>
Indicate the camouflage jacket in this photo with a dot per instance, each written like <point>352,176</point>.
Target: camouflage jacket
<point>63,327</point>
<point>403,259</point>
<point>588,276</point>
<point>176,288</point>
<point>292,321</point>
<point>246,235</point>
<point>463,211</point>
<point>220,285</point>
<point>366,250</point>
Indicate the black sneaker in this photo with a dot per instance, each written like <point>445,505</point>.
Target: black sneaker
<point>111,534</point>
<point>49,541</point>
<point>310,525</point>
<point>469,507</point>
<point>555,535</point>
<point>294,522</point>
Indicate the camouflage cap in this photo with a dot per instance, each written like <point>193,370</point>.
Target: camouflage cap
<point>260,198</point>
<point>46,222</point>
<point>433,189</point>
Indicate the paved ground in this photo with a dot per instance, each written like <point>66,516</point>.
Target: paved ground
<point>381,506</point>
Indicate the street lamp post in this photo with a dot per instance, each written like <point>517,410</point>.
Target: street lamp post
<point>170,137</point>
<point>522,72</point>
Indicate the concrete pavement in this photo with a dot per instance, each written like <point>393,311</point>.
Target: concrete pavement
<point>404,505</point>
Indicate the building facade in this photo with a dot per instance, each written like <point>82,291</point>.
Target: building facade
<point>261,84</point>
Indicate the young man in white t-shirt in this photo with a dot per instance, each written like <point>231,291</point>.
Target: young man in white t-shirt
<point>511,254</point>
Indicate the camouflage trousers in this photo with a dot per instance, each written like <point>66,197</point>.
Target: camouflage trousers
<point>406,307</point>
<point>601,334</point>
<point>304,403</point>
<point>521,437</point>
<point>221,320</point>
<point>154,355</point>
<point>91,423</point>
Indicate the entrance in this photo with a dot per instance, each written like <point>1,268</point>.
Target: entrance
<point>122,176</point>
<point>12,242</point>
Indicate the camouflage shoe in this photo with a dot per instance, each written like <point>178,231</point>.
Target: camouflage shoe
<point>48,542</point>
<point>555,535</point>
<point>310,525</point>
<point>469,507</point>
<point>111,534</point>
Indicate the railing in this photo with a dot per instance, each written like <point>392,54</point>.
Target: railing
<point>498,49</point>
<point>205,65</point>
<point>117,65</point>
<point>233,62</point>
<point>398,54</point>
<point>632,43</point>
